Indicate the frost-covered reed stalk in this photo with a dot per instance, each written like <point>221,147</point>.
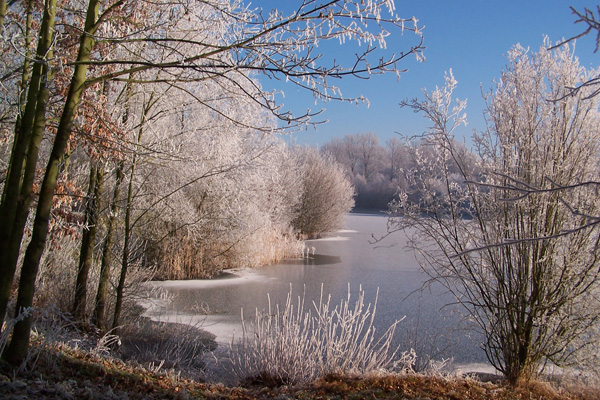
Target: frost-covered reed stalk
<point>297,345</point>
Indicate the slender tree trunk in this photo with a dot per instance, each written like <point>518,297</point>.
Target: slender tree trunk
<point>26,66</point>
<point>125,260</point>
<point>86,255</point>
<point>17,349</point>
<point>100,304</point>
<point>34,114</point>
<point>100,309</point>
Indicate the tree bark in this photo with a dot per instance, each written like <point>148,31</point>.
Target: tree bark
<point>86,255</point>
<point>100,304</point>
<point>125,259</point>
<point>2,12</point>
<point>19,344</point>
<point>14,201</point>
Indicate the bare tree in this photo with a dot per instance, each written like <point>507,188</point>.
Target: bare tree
<point>369,153</point>
<point>530,288</point>
<point>397,157</point>
<point>342,149</point>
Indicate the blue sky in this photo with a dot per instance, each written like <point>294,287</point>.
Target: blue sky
<point>471,37</point>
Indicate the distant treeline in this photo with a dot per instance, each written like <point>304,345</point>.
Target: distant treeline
<point>381,172</point>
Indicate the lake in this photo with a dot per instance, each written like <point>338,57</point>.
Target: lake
<point>347,257</point>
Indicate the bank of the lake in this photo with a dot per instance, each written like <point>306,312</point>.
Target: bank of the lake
<point>347,258</point>
<point>63,373</point>
<point>67,369</point>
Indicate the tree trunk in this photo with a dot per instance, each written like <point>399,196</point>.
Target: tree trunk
<point>19,344</point>
<point>26,62</point>
<point>86,255</point>
<point>100,305</point>
<point>100,310</point>
<point>2,12</point>
<point>13,203</point>
<point>26,197</point>
<point>125,259</point>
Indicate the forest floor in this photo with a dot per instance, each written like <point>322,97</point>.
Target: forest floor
<point>59,371</point>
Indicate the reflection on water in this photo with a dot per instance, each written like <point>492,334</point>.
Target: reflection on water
<point>347,259</point>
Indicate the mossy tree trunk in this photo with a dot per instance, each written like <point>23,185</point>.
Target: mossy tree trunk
<point>86,255</point>
<point>19,344</point>
<point>17,194</point>
<point>98,317</point>
<point>2,12</point>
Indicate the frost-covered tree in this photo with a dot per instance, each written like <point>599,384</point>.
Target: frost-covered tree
<point>524,266</point>
<point>369,154</point>
<point>375,171</point>
<point>398,158</point>
<point>360,154</point>
<point>342,149</point>
<point>213,193</point>
<point>224,41</point>
<point>327,194</point>
<point>205,191</point>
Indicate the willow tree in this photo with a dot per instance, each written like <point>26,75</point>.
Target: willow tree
<point>524,266</point>
<point>219,40</point>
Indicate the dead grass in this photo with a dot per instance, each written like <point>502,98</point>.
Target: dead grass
<point>68,363</point>
<point>187,257</point>
<point>64,372</point>
<point>421,387</point>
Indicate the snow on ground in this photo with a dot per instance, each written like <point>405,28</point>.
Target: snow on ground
<point>231,277</point>
<point>224,327</point>
<point>332,238</point>
<point>347,231</point>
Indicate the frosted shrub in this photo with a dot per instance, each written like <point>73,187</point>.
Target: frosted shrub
<point>293,344</point>
<point>510,231</point>
<point>327,194</point>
